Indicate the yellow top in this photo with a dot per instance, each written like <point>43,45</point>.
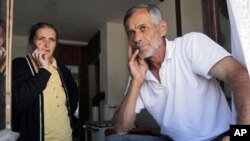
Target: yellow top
<point>56,119</point>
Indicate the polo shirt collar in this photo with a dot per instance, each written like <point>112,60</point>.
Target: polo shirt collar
<point>168,56</point>
<point>169,50</point>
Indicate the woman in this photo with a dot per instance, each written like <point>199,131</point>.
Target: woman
<point>44,92</point>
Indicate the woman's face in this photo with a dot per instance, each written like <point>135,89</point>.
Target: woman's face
<point>45,39</point>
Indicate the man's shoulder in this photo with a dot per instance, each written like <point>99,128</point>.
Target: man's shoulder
<point>192,35</point>
<point>190,38</point>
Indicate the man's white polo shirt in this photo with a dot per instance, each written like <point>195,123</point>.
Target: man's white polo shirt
<point>188,104</point>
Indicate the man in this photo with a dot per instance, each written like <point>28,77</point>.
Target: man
<point>176,81</point>
<point>44,92</point>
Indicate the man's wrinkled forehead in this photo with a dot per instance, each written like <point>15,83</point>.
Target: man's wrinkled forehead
<point>139,14</point>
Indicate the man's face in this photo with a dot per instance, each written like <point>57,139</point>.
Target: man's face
<point>45,39</point>
<point>143,34</point>
<point>2,37</point>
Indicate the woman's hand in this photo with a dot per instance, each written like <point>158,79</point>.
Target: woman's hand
<point>41,58</point>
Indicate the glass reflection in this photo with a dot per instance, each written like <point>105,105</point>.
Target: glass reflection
<point>2,63</point>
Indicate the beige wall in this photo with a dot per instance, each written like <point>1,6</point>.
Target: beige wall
<point>113,62</point>
<point>113,66</point>
<point>168,10</point>
<point>191,16</point>
<point>19,46</point>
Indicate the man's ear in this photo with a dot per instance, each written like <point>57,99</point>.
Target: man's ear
<point>163,28</point>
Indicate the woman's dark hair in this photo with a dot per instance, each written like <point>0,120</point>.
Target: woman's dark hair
<point>33,30</point>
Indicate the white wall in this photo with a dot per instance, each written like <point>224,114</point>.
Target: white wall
<point>20,46</point>
<point>113,62</point>
<point>191,16</point>
<point>168,10</point>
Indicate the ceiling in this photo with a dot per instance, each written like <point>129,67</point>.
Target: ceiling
<point>76,20</point>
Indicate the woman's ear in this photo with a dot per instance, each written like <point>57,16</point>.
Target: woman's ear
<point>163,28</point>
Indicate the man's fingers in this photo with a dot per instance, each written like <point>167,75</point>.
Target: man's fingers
<point>132,58</point>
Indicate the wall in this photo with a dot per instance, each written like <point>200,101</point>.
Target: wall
<point>113,66</point>
<point>191,16</point>
<point>20,48</point>
<point>113,62</point>
<point>168,10</point>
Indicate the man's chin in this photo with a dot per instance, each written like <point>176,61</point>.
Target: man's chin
<point>145,55</point>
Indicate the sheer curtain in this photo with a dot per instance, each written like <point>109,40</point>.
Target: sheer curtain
<point>239,15</point>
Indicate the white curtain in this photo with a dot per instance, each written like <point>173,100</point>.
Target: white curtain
<point>239,15</point>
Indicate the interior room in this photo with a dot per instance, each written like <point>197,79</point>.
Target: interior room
<point>93,45</point>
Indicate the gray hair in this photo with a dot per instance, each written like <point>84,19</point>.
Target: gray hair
<point>154,11</point>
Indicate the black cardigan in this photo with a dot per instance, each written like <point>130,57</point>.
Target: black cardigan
<point>27,98</point>
<point>2,100</point>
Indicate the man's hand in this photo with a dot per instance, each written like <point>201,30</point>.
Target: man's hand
<point>41,58</point>
<point>138,67</point>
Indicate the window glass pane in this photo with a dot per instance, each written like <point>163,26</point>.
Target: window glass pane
<point>2,63</point>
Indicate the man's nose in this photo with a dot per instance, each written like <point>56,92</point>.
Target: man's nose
<point>138,36</point>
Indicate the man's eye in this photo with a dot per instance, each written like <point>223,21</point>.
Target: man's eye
<point>130,33</point>
<point>143,28</point>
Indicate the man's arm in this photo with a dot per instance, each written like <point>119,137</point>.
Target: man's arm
<point>229,70</point>
<point>124,117</point>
